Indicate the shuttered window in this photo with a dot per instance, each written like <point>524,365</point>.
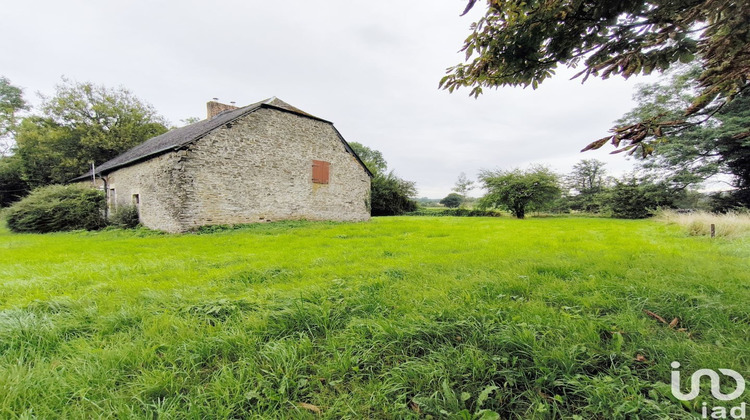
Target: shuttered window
<point>320,171</point>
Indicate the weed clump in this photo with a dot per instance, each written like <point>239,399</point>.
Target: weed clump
<point>729,225</point>
<point>125,217</point>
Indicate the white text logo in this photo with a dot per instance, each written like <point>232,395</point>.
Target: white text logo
<point>695,384</point>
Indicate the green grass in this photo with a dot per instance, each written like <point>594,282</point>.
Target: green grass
<point>404,317</point>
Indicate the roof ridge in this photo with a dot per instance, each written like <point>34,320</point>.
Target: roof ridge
<point>179,137</point>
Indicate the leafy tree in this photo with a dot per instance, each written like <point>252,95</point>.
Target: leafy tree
<point>452,200</point>
<point>12,185</point>
<point>80,124</point>
<point>522,43</point>
<point>588,176</point>
<point>11,103</point>
<point>734,148</point>
<point>518,190</point>
<point>587,181</point>
<point>372,158</point>
<point>392,195</point>
<point>463,186</point>
<point>698,152</point>
<point>635,198</point>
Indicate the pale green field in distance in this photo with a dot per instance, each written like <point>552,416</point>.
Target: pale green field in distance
<point>403,317</point>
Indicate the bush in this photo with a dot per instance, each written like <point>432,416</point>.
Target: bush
<point>58,208</point>
<point>638,199</point>
<point>125,217</point>
<point>391,195</point>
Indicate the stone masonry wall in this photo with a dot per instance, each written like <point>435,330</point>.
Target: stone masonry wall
<point>158,183</point>
<point>259,169</point>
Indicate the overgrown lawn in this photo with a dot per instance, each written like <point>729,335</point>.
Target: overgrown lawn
<point>404,317</point>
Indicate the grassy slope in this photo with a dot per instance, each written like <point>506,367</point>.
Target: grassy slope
<point>380,319</point>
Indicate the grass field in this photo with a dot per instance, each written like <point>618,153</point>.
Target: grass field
<point>396,318</point>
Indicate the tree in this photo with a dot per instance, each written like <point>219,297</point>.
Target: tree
<point>452,200</point>
<point>392,195</point>
<point>463,186</point>
<point>82,123</point>
<point>699,152</point>
<point>11,103</point>
<point>389,194</point>
<point>587,181</point>
<point>12,185</point>
<point>588,176</point>
<point>522,43</point>
<point>634,198</point>
<point>518,190</point>
<point>373,159</point>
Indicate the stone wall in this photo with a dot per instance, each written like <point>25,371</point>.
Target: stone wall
<point>157,182</point>
<point>257,169</point>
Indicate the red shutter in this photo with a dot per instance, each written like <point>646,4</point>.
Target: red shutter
<point>320,171</point>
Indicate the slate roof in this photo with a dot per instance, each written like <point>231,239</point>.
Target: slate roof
<point>175,139</point>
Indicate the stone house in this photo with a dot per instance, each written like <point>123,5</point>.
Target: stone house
<point>263,162</point>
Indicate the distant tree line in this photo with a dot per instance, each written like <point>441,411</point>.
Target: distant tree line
<point>680,163</point>
<point>83,123</point>
<point>586,189</point>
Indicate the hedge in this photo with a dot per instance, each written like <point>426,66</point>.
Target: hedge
<point>58,208</point>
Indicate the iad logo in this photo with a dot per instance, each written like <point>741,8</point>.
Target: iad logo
<point>738,412</point>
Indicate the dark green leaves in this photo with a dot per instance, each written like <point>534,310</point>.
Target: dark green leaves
<point>82,123</point>
<point>519,190</point>
<point>521,44</point>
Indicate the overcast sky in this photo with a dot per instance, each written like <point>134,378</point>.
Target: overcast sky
<point>371,67</point>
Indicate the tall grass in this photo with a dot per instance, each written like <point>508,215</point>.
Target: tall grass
<point>405,317</point>
<point>730,225</point>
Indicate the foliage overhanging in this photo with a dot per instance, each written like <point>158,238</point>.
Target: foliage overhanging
<point>522,43</point>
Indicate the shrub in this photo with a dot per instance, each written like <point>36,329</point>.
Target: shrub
<point>58,208</point>
<point>391,195</point>
<point>125,217</point>
<point>638,199</point>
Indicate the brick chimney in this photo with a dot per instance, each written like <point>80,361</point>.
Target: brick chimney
<point>214,108</point>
